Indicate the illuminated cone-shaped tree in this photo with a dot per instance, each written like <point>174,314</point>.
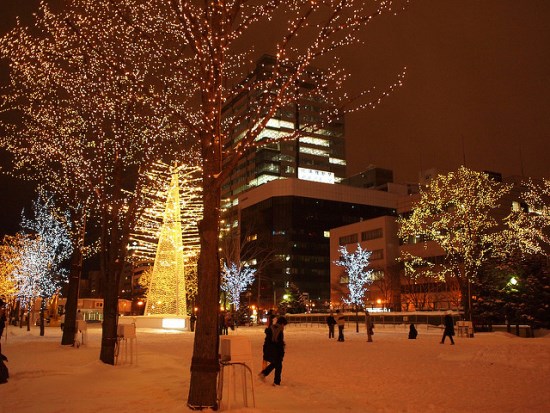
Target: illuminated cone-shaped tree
<point>145,237</point>
<point>167,293</point>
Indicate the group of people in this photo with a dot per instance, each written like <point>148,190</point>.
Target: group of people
<point>225,323</point>
<point>339,320</point>
<point>274,342</point>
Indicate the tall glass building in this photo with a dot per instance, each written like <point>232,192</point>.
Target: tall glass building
<point>317,155</point>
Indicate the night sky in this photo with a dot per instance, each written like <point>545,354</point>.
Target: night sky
<point>477,89</point>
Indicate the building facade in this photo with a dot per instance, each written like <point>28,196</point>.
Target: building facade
<point>289,222</point>
<point>379,236</point>
<point>317,154</point>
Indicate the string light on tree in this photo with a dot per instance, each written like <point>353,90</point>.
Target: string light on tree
<point>45,245</point>
<point>359,276</point>
<point>457,212</point>
<point>167,292</point>
<point>235,280</point>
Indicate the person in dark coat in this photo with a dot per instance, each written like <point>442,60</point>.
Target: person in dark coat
<point>341,321</point>
<point>4,374</point>
<point>412,332</point>
<point>2,318</point>
<point>271,318</point>
<point>449,328</point>
<point>192,321</point>
<point>331,322</point>
<point>221,323</point>
<point>369,325</point>
<point>274,350</point>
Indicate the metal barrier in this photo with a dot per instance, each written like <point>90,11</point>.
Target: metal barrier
<point>235,353</point>
<point>126,337</point>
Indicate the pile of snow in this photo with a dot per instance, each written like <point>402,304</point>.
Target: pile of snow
<point>493,372</point>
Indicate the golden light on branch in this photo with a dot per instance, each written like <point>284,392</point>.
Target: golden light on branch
<point>10,256</point>
<point>459,212</point>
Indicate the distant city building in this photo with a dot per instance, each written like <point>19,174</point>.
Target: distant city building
<point>379,236</point>
<point>319,155</point>
<point>373,178</point>
<point>289,222</point>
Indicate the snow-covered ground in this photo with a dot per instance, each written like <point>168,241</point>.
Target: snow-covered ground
<point>493,372</point>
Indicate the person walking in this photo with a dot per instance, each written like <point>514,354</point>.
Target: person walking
<point>449,328</point>
<point>2,319</point>
<point>4,374</point>
<point>192,321</point>
<point>369,325</point>
<point>274,350</point>
<point>412,332</point>
<point>221,323</point>
<point>331,322</point>
<point>341,321</point>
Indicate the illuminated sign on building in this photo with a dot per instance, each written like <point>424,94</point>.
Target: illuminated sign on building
<point>316,175</point>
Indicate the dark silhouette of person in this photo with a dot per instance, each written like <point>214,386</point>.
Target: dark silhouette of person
<point>270,318</point>
<point>341,321</point>
<point>274,350</point>
<point>449,328</point>
<point>412,332</point>
<point>192,321</point>
<point>4,374</point>
<point>331,322</point>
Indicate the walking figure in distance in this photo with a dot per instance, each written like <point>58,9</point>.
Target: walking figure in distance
<point>331,322</point>
<point>412,332</point>
<point>369,325</point>
<point>449,328</point>
<point>4,373</point>
<point>341,321</point>
<point>274,350</point>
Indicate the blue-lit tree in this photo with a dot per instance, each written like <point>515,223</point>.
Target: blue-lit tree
<point>235,280</point>
<point>45,246</point>
<point>359,276</point>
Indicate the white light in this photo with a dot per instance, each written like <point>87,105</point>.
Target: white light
<point>315,175</point>
<point>173,323</point>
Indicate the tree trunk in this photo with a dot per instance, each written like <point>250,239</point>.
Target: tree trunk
<point>29,318</point>
<point>42,308</point>
<point>109,326</point>
<point>110,308</point>
<point>205,364</point>
<point>69,329</point>
<point>109,274</point>
<point>465,299</point>
<point>71,306</point>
